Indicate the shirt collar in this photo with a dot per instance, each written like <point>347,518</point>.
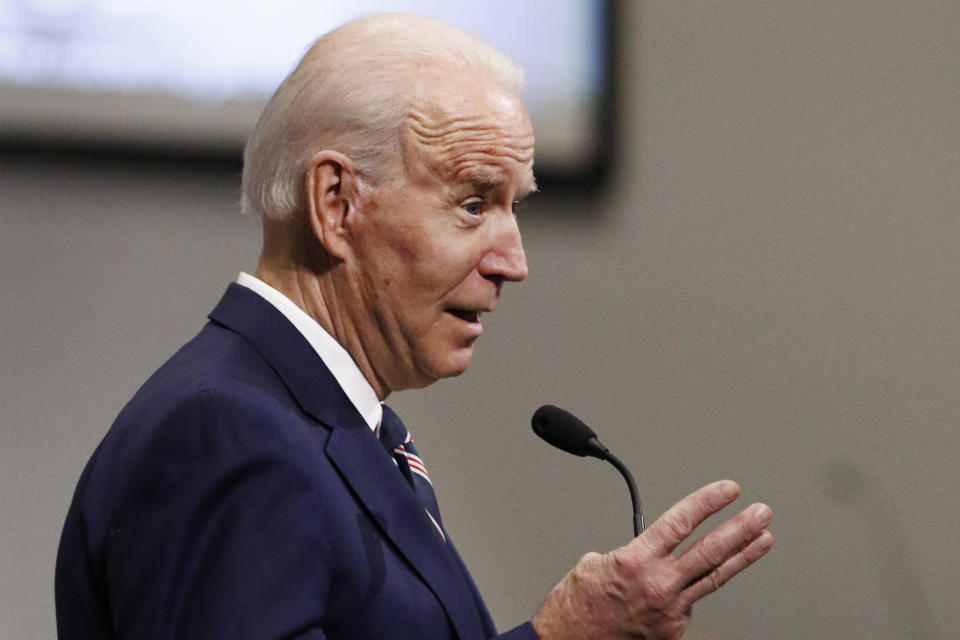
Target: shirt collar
<point>334,356</point>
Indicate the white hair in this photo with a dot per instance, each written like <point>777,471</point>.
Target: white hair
<point>351,93</point>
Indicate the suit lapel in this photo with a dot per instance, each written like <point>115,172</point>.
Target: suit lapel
<point>354,450</point>
<point>288,352</point>
<point>396,509</point>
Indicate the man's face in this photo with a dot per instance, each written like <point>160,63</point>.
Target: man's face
<point>434,247</point>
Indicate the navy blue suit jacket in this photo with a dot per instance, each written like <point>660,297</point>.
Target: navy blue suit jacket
<point>240,495</point>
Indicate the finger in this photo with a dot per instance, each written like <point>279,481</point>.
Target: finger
<point>731,567</point>
<point>679,521</point>
<point>713,549</point>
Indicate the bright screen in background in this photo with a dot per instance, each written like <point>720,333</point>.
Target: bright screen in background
<point>194,75</point>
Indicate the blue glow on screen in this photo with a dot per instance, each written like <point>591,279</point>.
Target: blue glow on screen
<point>220,51</point>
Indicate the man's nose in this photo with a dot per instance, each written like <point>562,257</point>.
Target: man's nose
<point>505,258</point>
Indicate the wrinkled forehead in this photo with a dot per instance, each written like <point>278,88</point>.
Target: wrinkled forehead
<point>471,132</point>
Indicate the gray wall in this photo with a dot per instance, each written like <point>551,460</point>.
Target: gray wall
<point>765,290</point>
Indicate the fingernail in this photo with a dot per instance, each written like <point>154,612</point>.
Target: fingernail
<point>762,514</point>
<point>767,539</point>
<point>763,543</point>
<point>730,489</point>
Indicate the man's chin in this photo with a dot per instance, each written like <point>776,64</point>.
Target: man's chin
<point>454,365</point>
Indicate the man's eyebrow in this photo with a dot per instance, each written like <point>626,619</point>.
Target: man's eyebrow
<point>488,183</point>
<point>485,183</point>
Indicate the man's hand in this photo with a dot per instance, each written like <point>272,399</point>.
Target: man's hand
<point>641,590</point>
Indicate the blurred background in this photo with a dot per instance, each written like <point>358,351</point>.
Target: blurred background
<point>748,268</point>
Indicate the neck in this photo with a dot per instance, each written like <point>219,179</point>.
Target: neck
<point>315,286</point>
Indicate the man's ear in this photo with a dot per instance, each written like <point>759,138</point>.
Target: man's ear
<point>331,191</point>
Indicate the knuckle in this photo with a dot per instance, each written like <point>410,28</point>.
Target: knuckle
<point>712,552</point>
<point>587,568</point>
<point>744,528</point>
<point>717,579</point>
<point>625,561</point>
<point>621,579</point>
<point>602,580</point>
<point>660,592</point>
<point>589,560</point>
<point>658,595</point>
<point>680,523</point>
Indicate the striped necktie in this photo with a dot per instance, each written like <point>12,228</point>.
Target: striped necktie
<point>397,441</point>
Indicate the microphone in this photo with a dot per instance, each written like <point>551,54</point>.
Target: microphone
<point>565,431</point>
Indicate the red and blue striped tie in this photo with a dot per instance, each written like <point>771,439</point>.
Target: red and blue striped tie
<point>398,442</point>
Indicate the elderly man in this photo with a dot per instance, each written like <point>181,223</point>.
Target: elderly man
<point>255,486</point>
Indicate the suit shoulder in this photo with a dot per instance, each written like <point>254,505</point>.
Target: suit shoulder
<point>215,402</point>
<point>216,359</point>
<point>216,386</point>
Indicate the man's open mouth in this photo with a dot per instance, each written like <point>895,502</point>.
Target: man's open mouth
<point>466,315</point>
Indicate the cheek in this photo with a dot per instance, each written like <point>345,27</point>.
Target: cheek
<point>428,269</point>
<point>417,263</point>
<point>403,246</point>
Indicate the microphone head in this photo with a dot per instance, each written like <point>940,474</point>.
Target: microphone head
<point>565,431</point>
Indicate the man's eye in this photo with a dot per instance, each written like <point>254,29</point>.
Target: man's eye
<point>474,208</point>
